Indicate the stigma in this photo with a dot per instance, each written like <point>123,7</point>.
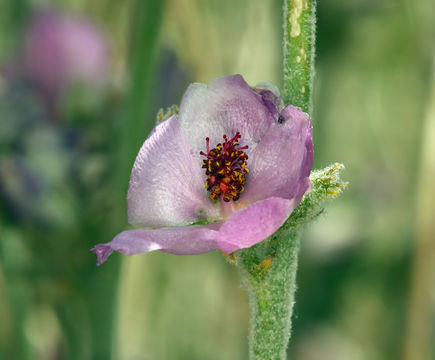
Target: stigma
<point>225,167</point>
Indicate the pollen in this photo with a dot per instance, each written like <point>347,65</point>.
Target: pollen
<point>225,167</point>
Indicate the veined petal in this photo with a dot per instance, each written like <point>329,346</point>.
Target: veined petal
<point>186,240</point>
<point>224,106</point>
<point>166,184</point>
<point>281,163</point>
<point>254,224</point>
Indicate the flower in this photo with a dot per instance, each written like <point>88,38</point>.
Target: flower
<point>61,50</point>
<point>195,199</point>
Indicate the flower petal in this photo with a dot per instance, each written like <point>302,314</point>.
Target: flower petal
<point>224,106</point>
<point>187,240</point>
<point>280,165</point>
<point>254,224</point>
<point>270,95</point>
<point>166,184</point>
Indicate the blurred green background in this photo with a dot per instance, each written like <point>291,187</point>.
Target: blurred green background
<point>80,84</point>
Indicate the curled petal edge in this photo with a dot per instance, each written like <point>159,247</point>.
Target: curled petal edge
<point>185,240</point>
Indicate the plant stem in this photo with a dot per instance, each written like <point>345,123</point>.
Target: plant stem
<point>268,270</point>
<point>298,49</point>
<point>271,286</point>
<point>419,331</point>
<point>134,125</point>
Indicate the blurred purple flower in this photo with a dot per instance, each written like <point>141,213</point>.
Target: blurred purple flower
<point>179,179</point>
<point>61,50</point>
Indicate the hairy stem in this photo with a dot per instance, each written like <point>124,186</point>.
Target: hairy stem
<point>299,47</point>
<point>271,285</point>
<point>268,269</point>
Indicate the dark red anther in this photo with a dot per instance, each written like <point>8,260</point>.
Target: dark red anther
<point>226,168</point>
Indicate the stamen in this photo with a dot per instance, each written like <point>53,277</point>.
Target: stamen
<point>207,141</point>
<point>226,169</point>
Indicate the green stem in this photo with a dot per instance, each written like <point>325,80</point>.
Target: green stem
<point>271,285</point>
<point>418,339</point>
<point>103,315</point>
<point>74,319</point>
<point>268,270</point>
<point>20,297</point>
<point>136,122</point>
<point>299,47</point>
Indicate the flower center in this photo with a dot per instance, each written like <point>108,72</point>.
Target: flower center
<point>226,169</point>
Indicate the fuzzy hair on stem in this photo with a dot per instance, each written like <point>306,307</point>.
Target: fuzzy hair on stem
<point>299,21</point>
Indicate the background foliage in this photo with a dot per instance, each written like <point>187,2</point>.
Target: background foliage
<point>366,277</point>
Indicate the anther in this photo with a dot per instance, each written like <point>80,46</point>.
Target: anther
<point>226,168</point>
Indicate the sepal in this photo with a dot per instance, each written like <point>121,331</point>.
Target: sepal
<point>166,114</point>
<point>326,185</point>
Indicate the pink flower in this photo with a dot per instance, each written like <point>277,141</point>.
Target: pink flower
<point>197,191</point>
<point>61,50</point>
